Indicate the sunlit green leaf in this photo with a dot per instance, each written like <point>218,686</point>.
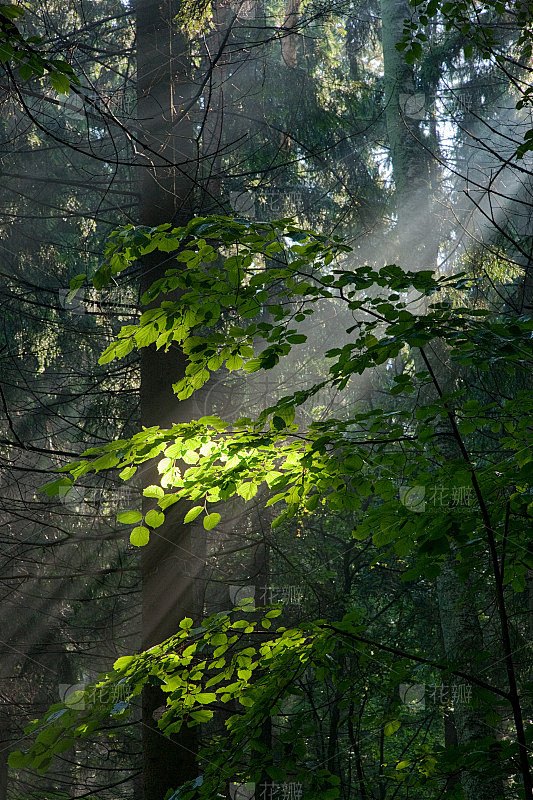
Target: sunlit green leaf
<point>139,536</point>
<point>129,517</point>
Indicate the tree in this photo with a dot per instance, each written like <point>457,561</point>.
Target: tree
<point>413,169</point>
<point>167,191</point>
<point>67,578</point>
<point>321,464</point>
<point>421,548</point>
<point>21,51</point>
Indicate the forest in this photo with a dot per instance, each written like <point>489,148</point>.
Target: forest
<point>266,408</point>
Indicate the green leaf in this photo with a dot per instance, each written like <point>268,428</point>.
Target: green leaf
<point>191,515</point>
<point>129,517</point>
<point>211,520</point>
<point>247,490</point>
<point>123,662</point>
<point>253,365</point>
<point>107,461</point>
<point>416,48</point>
<point>17,759</point>
<point>60,487</point>
<point>205,697</point>
<point>139,536</point>
<point>296,338</point>
<point>168,500</point>
<point>25,72</point>
<point>11,11</point>
<point>154,518</point>
<point>276,773</point>
<point>154,491</point>
<point>467,427</point>
<point>312,502</point>
<point>391,727</point>
<point>201,715</point>
<point>60,82</point>
<point>234,362</point>
<point>518,584</point>
<point>6,51</point>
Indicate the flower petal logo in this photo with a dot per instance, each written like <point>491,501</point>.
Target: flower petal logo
<point>413,105</point>
<point>80,499</point>
<point>74,304</point>
<point>242,791</point>
<point>412,695</point>
<point>243,203</point>
<point>72,105</point>
<point>412,497</point>
<point>73,695</point>
<point>239,593</point>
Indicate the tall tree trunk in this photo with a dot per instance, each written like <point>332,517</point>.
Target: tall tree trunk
<point>290,42</point>
<point>167,179</point>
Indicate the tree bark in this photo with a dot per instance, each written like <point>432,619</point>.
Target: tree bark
<point>167,179</point>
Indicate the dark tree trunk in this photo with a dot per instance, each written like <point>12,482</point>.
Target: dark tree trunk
<point>167,176</point>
